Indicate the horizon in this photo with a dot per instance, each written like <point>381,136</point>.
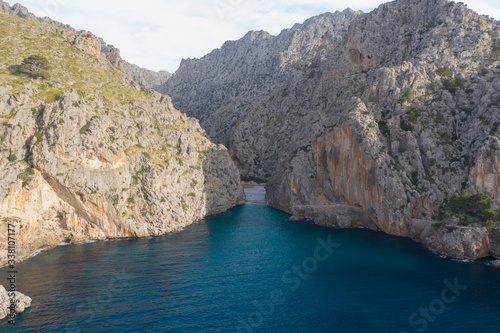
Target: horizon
<point>188,31</point>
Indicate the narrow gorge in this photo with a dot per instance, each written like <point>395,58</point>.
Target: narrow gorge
<point>376,119</point>
<point>379,120</point>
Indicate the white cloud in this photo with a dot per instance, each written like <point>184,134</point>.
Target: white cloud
<point>157,34</point>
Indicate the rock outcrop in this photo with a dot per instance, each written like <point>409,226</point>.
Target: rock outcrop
<point>21,302</point>
<point>353,119</point>
<point>89,154</point>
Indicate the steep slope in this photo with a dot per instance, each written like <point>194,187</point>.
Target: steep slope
<point>88,154</point>
<point>93,45</point>
<point>363,119</point>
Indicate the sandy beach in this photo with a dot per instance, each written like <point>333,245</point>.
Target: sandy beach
<point>255,193</point>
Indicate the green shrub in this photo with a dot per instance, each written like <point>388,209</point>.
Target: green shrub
<point>495,50</point>
<point>414,177</point>
<point>12,158</point>
<point>183,204</point>
<point>39,137</point>
<point>405,126</point>
<point>85,128</point>
<point>491,214</point>
<point>439,117</point>
<point>488,223</point>
<point>443,71</point>
<point>384,129</point>
<point>202,154</point>
<point>146,155</point>
<point>451,228</point>
<point>457,201</point>
<point>477,206</point>
<point>408,95</point>
<point>453,84</point>
<point>413,113</point>
<point>478,203</point>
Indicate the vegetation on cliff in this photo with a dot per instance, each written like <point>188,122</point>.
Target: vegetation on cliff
<point>473,208</point>
<point>86,153</point>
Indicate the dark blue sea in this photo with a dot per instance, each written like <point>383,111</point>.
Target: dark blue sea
<point>252,270</point>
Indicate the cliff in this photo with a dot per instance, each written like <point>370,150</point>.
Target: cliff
<point>86,153</point>
<point>363,119</point>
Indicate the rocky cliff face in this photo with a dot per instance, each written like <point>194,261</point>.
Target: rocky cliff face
<point>357,119</point>
<point>88,154</point>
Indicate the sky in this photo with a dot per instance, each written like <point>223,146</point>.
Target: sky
<point>157,34</point>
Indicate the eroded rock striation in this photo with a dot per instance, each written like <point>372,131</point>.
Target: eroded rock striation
<point>89,154</point>
<point>363,119</point>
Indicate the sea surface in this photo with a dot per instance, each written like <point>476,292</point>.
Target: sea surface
<point>252,270</point>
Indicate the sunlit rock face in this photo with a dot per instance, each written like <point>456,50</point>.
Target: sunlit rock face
<point>86,153</point>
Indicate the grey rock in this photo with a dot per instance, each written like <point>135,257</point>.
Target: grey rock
<point>22,302</point>
<point>349,120</point>
<point>494,263</point>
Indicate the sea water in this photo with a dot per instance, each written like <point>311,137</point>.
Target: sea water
<point>252,270</point>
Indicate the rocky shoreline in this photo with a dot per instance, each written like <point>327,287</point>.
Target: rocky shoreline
<point>22,302</point>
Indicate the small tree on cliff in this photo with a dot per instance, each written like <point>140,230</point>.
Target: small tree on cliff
<point>35,66</point>
<point>476,206</point>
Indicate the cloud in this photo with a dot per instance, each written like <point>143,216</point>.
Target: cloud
<point>157,34</point>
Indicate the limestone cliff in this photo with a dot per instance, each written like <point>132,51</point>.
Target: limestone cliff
<point>372,119</point>
<point>88,154</point>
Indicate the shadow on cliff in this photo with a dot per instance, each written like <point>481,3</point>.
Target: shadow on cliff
<point>222,181</point>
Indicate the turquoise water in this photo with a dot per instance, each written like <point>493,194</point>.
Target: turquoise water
<point>252,270</point>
